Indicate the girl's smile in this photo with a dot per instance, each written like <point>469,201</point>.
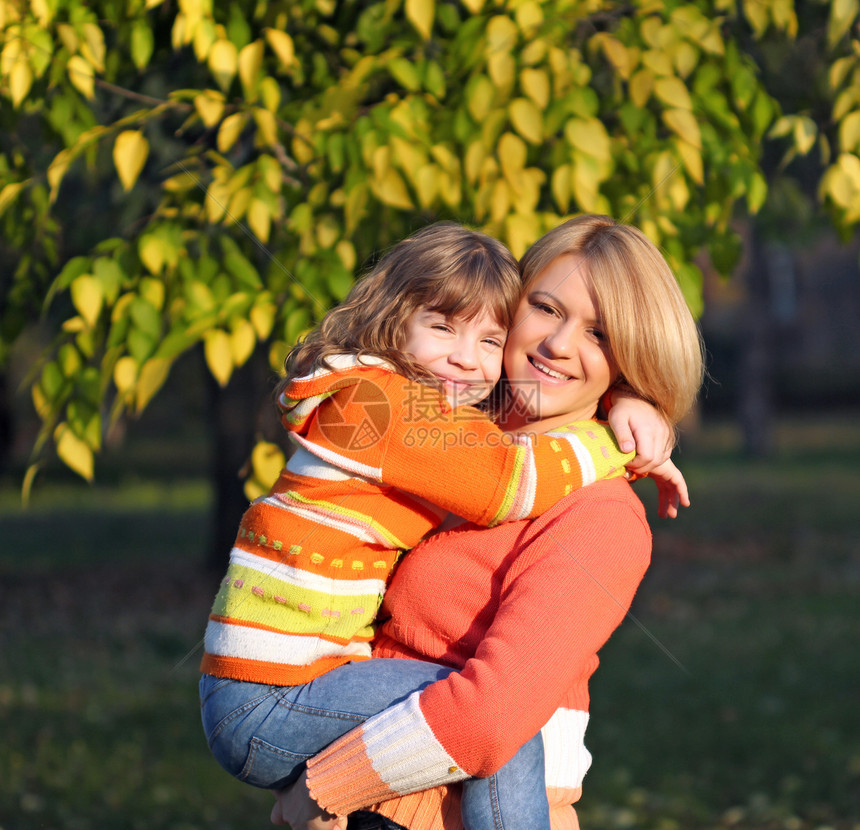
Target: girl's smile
<point>465,354</point>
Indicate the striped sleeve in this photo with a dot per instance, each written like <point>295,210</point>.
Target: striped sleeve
<point>399,756</point>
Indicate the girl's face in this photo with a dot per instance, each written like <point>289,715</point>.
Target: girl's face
<point>466,355</point>
<point>557,358</point>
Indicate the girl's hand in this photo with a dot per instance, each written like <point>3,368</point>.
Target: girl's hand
<point>639,426</point>
<point>671,489</point>
<point>295,808</point>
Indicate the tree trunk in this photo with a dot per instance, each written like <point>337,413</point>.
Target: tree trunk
<point>236,413</point>
<point>755,372</point>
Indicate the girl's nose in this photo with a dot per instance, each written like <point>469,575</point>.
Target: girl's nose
<point>465,355</point>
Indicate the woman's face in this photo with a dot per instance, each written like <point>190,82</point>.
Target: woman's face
<point>557,358</point>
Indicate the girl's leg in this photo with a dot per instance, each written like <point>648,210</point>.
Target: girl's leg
<point>265,734</point>
<point>512,799</point>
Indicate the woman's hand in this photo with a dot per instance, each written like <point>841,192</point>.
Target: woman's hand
<point>672,489</point>
<point>295,808</point>
<point>639,426</point>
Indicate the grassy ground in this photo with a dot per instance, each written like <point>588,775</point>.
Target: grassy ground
<point>728,702</point>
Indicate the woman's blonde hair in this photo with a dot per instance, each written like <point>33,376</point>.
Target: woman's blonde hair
<point>654,339</point>
<point>443,267</point>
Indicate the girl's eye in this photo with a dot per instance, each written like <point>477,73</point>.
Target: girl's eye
<point>492,342</point>
<point>598,334</point>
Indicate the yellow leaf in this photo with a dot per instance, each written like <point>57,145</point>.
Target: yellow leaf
<point>9,193</point>
<point>282,45</point>
<point>426,184</point>
<point>87,297</point>
<point>849,132</point>
<point>219,355</point>
<point>267,461</point>
<point>253,489</point>
<point>691,157</point>
<point>57,170</point>
<point>673,92</point>
<point>262,318</point>
<point>223,63</point>
<point>409,156</point>
<point>658,62</point>
<point>130,151</point>
<point>512,155</point>
<point>93,46</point>
<point>502,68</point>
<point>259,219</point>
<point>684,124</point>
<point>346,251</point>
<point>685,57</point>
<point>125,374</point>
<point>43,11</point>
<point>618,55</point>
<point>230,130</point>
<point>535,84</point>
<point>529,17</point>
<point>153,253</point>
<point>502,35</point>
<point>81,76</point>
<point>153,373</point>
<point>641,86</point>
<point>267,127</point>
<point>585,182</point>
<point>474,160</point>
<point>805,133</point>
<point>243,339</point>
<point>270,93</point>
<point>210,106</point>
<point>521,232</point>
<point>391,190</point>
<point>560,186</point>
<point>842,15</point>
<point>474,6</point>
<point>527,120</point>
<point>420,14</point>
<point>217,198</point>
<point>590,137</point>
<point>73,452</point>
<point>479,98</point>
<point>250,63</point>
<point>500,201</point>
<point>20,81</point>
<point>205,35</point>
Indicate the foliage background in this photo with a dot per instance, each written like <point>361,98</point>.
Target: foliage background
<point>184,186</point>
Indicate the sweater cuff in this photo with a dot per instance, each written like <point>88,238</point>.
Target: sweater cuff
<point>391,754</point>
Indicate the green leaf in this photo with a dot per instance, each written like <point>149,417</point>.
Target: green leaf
<point>142,43</point>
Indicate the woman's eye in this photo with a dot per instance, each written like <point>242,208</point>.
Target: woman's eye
<point>598,334</point>
<point>546,309</point>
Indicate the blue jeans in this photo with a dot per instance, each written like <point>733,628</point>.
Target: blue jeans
<point>264,735</point>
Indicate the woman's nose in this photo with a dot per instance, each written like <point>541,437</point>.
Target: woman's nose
<point>560,342</point>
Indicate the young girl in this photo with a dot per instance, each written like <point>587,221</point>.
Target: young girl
<point>379,401</point>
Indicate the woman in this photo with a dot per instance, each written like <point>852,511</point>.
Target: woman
<point>522,610</point>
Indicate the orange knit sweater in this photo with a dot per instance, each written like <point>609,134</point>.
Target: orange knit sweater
<point>522,609</point>
<point>381,461</point>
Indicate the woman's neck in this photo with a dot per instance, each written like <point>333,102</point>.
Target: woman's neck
<point>519,422</point>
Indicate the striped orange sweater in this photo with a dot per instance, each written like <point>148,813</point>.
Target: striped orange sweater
<point>380,462</point>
